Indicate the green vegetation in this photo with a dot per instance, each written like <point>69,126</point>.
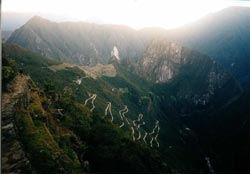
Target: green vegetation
<point>79,136</point>
<point>9,70</point>
<point>201,109</point>
<point>33,126</point>
<point>66,141</point>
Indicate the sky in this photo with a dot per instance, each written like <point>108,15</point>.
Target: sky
<point>135,13</point>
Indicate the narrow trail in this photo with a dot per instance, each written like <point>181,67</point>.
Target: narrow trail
<point>18,87</point>
<point>92,98</point>
<point>14,159</point>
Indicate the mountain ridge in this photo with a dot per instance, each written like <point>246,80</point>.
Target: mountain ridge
<point>97,103</point>
<point>216,35</point>
<point>82,42</point>
<point>165,102</point>
<point>224,36</point>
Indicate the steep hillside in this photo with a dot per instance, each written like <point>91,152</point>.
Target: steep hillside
<point>192,79</point>
<point>5,35</point>
<point>104,105</point>
<point>224,36</point>
<point>13,156</point>
<point>77,42</point>
<point>109,99</point>
<point>224,136</point>
<point>68,126</point>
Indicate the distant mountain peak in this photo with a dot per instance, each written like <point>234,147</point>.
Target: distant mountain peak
<point>79,42</point>
<point>38,20</point>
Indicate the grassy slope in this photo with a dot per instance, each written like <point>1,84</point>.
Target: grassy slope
<point>98,139</point>
<point>179,148</point>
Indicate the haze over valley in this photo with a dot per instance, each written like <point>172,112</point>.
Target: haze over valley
<point>96,98</point>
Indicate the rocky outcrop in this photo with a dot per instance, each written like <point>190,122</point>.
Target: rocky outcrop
<point>115,54</point>
<point>161,60</point>
<point>14,159</point>
<point>189,75</point>
<point>114,57</point>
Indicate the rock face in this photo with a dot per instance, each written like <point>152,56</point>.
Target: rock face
<point>14,159</point>
<point>115,55</point>
<point>161,60</point>
<point>187,74</point>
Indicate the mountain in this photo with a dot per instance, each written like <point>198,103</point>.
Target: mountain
<point>11,21</point>
<point>78,42</point>
<point>5,35</point>
<point>187,75</point>
<point>109,99</point>
<point>59,130</point>
<point>224,135</point>
<point>83,92</point>
<point>224,36</point>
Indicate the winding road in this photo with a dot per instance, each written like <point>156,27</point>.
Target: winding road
<point>121,125</point>
<point>93,97</point>
<point>138,119</point>
<point>139,136</point>
<point>13,157</point>
<point>133,133</point>
<point>156,133</point>
<point>137,124</point>
<point>123,110</point>
<point>144,138</point>
<point>126,119</point>
<point>211,170</point>
<point>108,109</point>
<point>156,140</point>
<point>122,115</point>
<point>59,111</point>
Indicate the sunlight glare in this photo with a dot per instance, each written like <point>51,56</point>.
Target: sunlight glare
<point>135,13</point>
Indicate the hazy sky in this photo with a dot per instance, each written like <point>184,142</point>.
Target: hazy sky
<point>135,13</point>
